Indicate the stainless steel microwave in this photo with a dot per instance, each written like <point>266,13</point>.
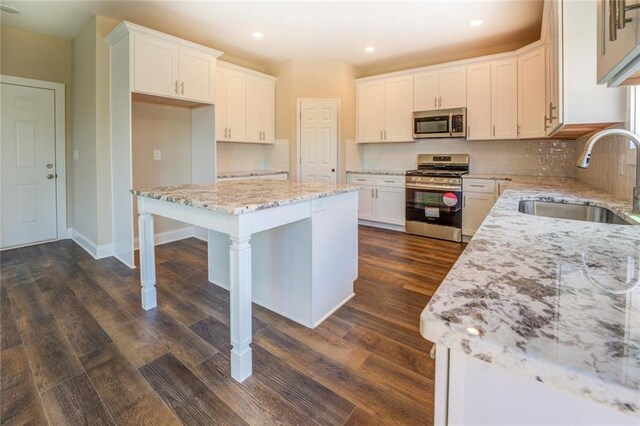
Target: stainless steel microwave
<point>443,123</point>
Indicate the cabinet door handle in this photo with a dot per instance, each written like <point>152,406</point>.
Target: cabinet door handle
<point>376,192</point>
<point>225,133</point>
<point>440,102</point>
<point>229,132</point>
<point>494,130</point>
<point>468,131</point>
<point>182,86</point>
<point>373,193</point>
<point>622,13</point>
<point>176,87</point>
<point>435,102</point>
<point>380,134</point>
<point>385,135</point>
<point>464,201</point>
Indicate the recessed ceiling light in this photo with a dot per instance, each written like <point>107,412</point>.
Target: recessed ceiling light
<point>8,9</point>
<point>257,34</point>
<point>369,49</point>
<point>476,22</point>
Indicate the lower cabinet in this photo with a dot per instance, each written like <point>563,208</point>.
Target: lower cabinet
<point>471,391</point>
<point>478,198</point>
<point>381,198</point>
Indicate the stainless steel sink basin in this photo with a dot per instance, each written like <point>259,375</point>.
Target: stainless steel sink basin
<point>571,211</point>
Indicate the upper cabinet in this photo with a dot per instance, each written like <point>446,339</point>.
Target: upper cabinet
<point>479,101</point>
<point>618,42</point>
<point>531,94</point>
<point>576,104</point>
<point>504,99</point>
<point>444,88</point>
<point>169,67</point>
<point>385,110</point>
<point>245,105</point>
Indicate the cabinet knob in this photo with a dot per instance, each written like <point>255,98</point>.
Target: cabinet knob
<point>182,86</point>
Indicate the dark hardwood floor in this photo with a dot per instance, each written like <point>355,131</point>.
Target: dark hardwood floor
<point>77,348</point>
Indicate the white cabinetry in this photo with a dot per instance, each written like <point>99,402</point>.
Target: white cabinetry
<point>618,48</point>
<point>576,104</point>
<point>165,68</point>
<point>385,110</point>
<point>479,101</point>
<point>531,94</point>
<point>471,391</point>
<point>445,88</point>
<point>245,105</point>
<point>381,198</point>
<point>478,198</point>
<point>504,99</point>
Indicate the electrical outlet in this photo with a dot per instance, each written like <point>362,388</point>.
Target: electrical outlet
<point>157,154</point>
<point>542,160</point>
<point>76,154</point>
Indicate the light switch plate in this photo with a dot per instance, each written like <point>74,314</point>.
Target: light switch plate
<point>541,160</point>
<point>157,154</point>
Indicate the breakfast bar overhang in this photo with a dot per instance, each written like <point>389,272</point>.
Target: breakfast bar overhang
<point>290,247</point>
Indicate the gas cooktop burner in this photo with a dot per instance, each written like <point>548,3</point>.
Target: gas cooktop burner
<point>435,172</point>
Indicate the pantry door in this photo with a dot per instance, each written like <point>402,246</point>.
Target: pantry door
<point>28,151</point>
<point>319,141</point>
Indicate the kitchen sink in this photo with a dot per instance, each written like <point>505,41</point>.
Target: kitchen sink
<point>571,211</point>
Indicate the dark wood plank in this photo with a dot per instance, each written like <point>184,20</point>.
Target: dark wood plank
<point>109,314</point>
<point>320,404</point>
<point>126,394</point>
<point>187,346</point>
<point>190,399</point>
<point>387,328</point>
<point>14,274</point>
<point>19,399</point>
<point>81,329</point>
<point>370,395</point>
<point>9,333</point>
<point>218,335</point>
<point>75,402</point>
<point>137,343</point>
<point>360,417</point>
<point>251,399</point>
<point>50,354</point>
<point>409,358</point>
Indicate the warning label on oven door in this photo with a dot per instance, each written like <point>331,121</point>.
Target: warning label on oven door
<point>432,212</point>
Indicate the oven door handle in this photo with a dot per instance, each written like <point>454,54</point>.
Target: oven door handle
<point>435,187</point>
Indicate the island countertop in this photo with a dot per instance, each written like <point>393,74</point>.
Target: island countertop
<point>238,197</point>
<point>545,297</point>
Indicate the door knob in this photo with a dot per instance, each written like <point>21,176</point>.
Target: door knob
<point>49,166</point>
<point>50,176</point>
<point>333,170</point>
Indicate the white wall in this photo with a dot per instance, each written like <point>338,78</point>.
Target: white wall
<point>517,157</point>
<point>233,157</point>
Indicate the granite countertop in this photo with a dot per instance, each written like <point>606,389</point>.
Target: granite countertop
<point>546,297</point>
<point>486,176</point>
<point>244,196</point>
<point>378,172</point>
<point>248,173</point>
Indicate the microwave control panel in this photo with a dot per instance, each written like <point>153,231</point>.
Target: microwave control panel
<point>457,123</point>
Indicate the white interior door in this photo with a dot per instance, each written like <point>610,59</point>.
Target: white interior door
<point>28,166</point>
<point>319,141</point>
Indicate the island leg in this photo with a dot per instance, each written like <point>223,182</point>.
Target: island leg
<point>147,261</point>
<point>240,297</point>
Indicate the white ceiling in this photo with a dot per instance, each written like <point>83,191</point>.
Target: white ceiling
<point>336,30</point>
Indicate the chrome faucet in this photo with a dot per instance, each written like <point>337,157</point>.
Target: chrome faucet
<point>585,158</point>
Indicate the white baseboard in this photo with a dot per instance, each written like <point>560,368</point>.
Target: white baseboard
<point>399,228</point>
<point>169,236</point>
<point>95,250</point>
<point>106,250</point>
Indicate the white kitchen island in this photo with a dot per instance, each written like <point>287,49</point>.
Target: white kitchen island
<point>290,247</point>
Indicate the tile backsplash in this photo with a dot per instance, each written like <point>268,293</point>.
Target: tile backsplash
<point>514,157</point>
<point>233,157</point>
<point>612,167</point>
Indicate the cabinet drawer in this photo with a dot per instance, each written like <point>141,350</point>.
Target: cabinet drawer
<point>479,185</point>
<point>362,179</point>
<point>387,180</point>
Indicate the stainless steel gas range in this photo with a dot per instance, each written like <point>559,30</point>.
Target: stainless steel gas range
<point>434,196</point>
